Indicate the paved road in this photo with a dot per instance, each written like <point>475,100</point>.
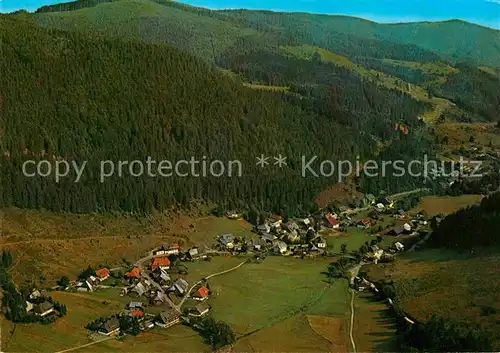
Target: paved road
<point>406,193</point>
<point>353,344</point>
<point>86,345</point>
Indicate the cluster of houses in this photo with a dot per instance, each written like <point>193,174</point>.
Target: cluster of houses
<point>138,310</point>
<point>299,236</point>
<point>39,305</point>
<point>411,226</point>
<point>151,286</point>
<point>92,282</point>
<point>377,254</point>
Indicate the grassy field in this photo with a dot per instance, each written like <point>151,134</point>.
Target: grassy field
<point>68,331</point>
<point>461,286</point>
<point>374,326</point>
<point>293,334</point>
<point>355,238</point>
<point>201,269</point>
<point>266,304</point>
<point>435,205</point>
<point>435,68</point>
<point>257,296</point>
<point>267,87</point>
<point>459,134</point>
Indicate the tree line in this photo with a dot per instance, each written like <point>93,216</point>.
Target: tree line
<point>14,300</point>
<point>473,226</point>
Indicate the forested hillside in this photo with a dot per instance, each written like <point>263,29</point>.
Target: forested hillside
<point>454,40</point>
<point>128,79</point>
<point>73,96</point>
<point>239,40</point>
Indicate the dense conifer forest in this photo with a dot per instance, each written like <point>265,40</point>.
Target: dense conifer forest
<point>180,82</point>
<point>90,98</point>
<point>474,226</point>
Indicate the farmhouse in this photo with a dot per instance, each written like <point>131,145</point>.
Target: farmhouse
<point>233,215</point>
<point>161,275</point>
<point>291,226</point>
<point>227,240</point>
<point>275,221</point>
<point>256,244</point>
<point>134,273</point>
<point>397,230</point>
<point>102,273</point>
<point>386,202</point>
<point>110,327</point>
<point>201,294</point>
<point>399,246</point>
<point>193,253</point>
<point>168,318</point>
<point>293,237</point>
<point>91,283</point>
<point>200,310</point>
<point>268,237</point>
<point>366,223</point>
<point>361,284</point>
<point>139,289</point>
<point>44,308</point>
<point>138,313</point>
<point>160,262</point>
<point>134,305</point>
<point>263,228</point>
<point>180,286</point>
<point>280,246</point>
<point>332,221</point>
<point>167,250</point>
<point>35,294</point>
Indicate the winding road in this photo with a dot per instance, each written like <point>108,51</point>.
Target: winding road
<point>352,322</point>
<point>178,307</point>
<point>206,278</point>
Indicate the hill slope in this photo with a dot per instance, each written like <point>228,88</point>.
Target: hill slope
<point>238,40</point>
<point>456,41</point>
<point>128,100</point>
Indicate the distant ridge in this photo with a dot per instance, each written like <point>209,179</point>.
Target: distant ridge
<point>454,40</point>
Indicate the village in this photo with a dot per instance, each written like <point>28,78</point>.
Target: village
<point>161,296</point>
